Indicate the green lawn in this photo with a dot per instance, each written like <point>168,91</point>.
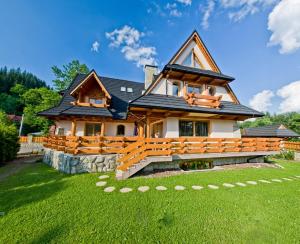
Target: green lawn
<point>42,205</point>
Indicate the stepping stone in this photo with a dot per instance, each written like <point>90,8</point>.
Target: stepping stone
<point>161,188</point>
<point>102,177</point>
<point>101,183</point>
<point>143,188</point>
<point>240,184</point>
<point>265,181</point>
<point>276,180</point>
<point>287,179</point>
<point>213,187</point>
<point>197,187</point>
<point>228,185</point>
<point>125,190</point>
<point>252,182</point>
<point>109,189</point>
<point>298,176</point>
<point>179,188</point>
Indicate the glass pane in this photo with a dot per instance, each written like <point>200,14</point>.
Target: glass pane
<point>190,89</point>
<point>197,90</point>
<point>175,90</point>
<point>89,129</point>
<point>201,128</point>
<point>188,60</point>
<point>185,128</point>
<point>92,100</point>
<point>120,130</point>
<point>97,129</point>
<point>98,101</point>
<point>196,64</point>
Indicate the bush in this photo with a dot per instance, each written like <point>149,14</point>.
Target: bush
<point>286,154</point>
<point>195,165</point>
<point>9,140</point>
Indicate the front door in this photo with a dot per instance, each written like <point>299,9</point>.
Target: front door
<point>157,130</point>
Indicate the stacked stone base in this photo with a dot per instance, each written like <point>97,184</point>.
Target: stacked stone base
<point>74,164</point>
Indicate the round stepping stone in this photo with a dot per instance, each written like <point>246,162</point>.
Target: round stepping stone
<point>240,184</point>
<point>276,180</point>
<point>109,189</point>
<point>179,188</point>
<point>287,179</point>
<point>265,181</point>
<point>213,187</point>
<point>143,188</point>
<point>101,183</point>
<point>228,185</point>
<point>197,187</point>
<point>161,188</point>
<point>125,190</point>
<point>252,182</point>
<point>298,176</point>
<point>102,177</point>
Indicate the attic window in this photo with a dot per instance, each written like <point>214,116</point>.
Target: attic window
<point>123,88</point>
<point>129,89</point>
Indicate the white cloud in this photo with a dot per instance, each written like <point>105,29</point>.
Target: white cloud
<point>172,7</point>
<point>185,2</point>
<point>129,40</point>
<point>95,46</point>
<point>291,97</point>
<point>262,100</point>
<point>207,12</point>
<point>285,26</point>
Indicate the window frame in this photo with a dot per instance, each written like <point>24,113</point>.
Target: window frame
<point>92,123</point>
<point>178,84</point>
<point>194,127</point>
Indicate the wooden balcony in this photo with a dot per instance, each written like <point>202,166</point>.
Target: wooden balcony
<point>203,100</point>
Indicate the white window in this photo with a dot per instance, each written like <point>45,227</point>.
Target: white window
<point>123,88</point>
<point>129,89</point>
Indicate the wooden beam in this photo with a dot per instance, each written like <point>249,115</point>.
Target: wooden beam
<point>73,128</point>
<point>148,127</point>
<point>102,129</point>
<point>141,130</point>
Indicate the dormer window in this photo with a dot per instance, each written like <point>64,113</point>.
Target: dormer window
<point>175,89</point>
<point>95,101</point>
<point>129,89</point>
<point>195,89</point>
<point>123,88</point>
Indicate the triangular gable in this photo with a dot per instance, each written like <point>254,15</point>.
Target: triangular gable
<point>91,74</point>
<point>194,46</point>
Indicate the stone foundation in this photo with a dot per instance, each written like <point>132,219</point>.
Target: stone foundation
<point>237,160</point>
<point>297,156</point>
<point>161,166</point>
<point>73,164</point>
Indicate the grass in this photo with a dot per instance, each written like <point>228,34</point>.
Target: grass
<point>42,205</point>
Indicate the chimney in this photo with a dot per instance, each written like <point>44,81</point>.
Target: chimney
<point>150,71</point>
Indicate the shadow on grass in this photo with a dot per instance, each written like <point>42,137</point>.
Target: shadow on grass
<point>49,236</point>
<point>32,184</point>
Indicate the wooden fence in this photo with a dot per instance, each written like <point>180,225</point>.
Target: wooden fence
<point>35,139</point>
<point>289,145</point>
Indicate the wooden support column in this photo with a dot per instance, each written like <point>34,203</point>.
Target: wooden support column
<point>141,130</point>
<point>73,128</point>
<point>148,127</point>
<point>102,129</point>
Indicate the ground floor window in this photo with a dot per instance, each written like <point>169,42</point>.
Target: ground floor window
<point>92,129</point>
<point>60,131</point>
<point>120,130</point>
<point>193,128</point>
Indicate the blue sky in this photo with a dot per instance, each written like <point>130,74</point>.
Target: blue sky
<point>36,35</point>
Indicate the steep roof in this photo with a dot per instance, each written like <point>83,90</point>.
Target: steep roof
<point>179,104</point>
<point>119,99</point>
<point>276,130</point>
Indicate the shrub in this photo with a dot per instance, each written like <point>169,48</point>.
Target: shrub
<point>9,140</point>
<point>194,165</point>
<point>286,154</point>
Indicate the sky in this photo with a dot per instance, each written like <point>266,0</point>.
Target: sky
<point>255,41</point>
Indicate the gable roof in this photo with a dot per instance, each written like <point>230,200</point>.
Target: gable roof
<point>276,130</point>
<point>175,103</point>
<point>94,74</point>
<point>119,100</point>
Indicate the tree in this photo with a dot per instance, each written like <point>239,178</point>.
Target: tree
<point>9,145</point>
<point>37,100</point>
<point>68,72</point>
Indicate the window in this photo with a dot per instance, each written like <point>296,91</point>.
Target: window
<point>175,89</point>
<point>211,90</point>
<point>193,128</point>
<point>120,130</point>
<point>201,128</point>
<point>188,60</point>
<point>185,128</point>
<point>195,89</point>
<point>61,132</point>
<point>129,89</point>
<point>92,129</point>
<point>123,88</point>
<point>95,101</point>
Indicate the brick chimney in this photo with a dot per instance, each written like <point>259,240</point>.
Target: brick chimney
<point>150,71</point>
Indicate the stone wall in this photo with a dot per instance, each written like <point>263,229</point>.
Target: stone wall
<point>73,164</point>
<point>162,166</point>
<point>237,160</point>
<point>297,156</point>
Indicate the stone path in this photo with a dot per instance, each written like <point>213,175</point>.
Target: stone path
<point>195,187</point>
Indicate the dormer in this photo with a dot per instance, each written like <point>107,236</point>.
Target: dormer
<point>91,92</point>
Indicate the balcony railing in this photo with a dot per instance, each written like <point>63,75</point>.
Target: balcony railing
<point>194,99</point>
